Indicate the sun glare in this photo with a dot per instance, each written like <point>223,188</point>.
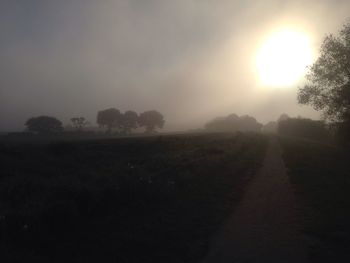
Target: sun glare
<point>283,58</point>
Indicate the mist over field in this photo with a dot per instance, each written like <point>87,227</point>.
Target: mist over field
<point>191,60</point>
<point>167,131</point>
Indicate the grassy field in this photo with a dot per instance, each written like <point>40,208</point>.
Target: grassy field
<point>152,199</point>
<point>321,177</point>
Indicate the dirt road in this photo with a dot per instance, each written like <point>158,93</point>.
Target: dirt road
<point>265,226</point>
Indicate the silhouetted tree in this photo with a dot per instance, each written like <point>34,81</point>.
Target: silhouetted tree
<point>329,79</point>
<point>301,127</point>
<point>151,120</point>
<point>79,123</point>
<point>248,123</point>
<point>233,123</point>
<point>129,121</point>
<point>44,124</point>
<point>109,118</point>
<point>232,117</point>
<point>217,124</point>
<point>283,117</point>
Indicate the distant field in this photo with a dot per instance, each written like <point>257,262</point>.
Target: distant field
<point>321,177</point>
<point>152,199</point>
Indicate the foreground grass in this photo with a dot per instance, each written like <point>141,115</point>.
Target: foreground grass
<point>321,176</point>
<point>155,199</point>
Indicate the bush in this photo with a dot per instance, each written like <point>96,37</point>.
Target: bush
<point>305,128</point>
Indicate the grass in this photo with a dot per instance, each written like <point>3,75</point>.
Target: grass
<point>321,176</point>
<point>151,199</point>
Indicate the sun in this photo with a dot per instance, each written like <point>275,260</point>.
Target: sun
<point>283,58</point>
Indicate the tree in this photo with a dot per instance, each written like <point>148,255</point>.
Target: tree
<point>109,118</point>
<point>248,123</point>
<point>329,78</point>
<point>283,117</point>
<point>44,125</point>
<point>302,127</point>
<point>151,120</point>
<point>79,123</point>
<point>129,121</point>
<point>218,124</point>
<point>233,123</point>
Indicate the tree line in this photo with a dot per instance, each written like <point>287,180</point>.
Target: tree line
<point>299,127</point>
<point>306,128</point>
<point>284,125</point>
<point>110,119</point>
<point>232,123</point>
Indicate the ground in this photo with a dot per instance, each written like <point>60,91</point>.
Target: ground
<point>181,198</point>
<point>319,173</point>
<point>151,199</point>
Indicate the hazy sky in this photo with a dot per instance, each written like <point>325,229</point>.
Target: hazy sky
<point>190,59</point>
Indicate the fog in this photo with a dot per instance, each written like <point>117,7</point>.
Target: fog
<point>191,60</point>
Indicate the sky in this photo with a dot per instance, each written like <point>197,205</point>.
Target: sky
<point>192,60</point>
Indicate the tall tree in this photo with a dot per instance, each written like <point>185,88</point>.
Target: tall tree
<point>329,78</point>
<point>44,124</point>
<point>129,121</point>
<point>151,120</point>
<point>109,118</point>
<point>79,123</point>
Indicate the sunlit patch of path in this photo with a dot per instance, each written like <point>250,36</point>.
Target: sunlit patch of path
<point>265,227</point>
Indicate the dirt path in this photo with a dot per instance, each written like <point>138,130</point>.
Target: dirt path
<point>264,227</point>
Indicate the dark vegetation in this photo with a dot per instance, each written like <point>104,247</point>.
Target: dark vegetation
<point>44,125</point>
<point>300,127</point>
<point>111,119</point>
<point>145,199</point>
<point>328,89</point>
<point>233,123</point>
<point>125,123</point>
<point>320,175</point>
<point>79,123</point>
<point>304,128</point>
<point>151,120</point>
